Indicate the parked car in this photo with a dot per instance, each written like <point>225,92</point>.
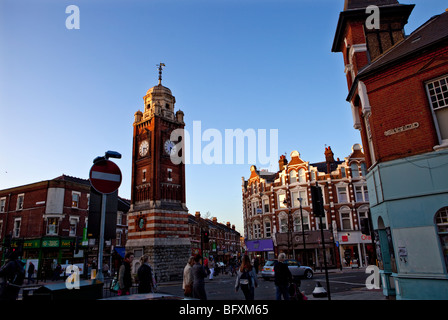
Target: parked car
<point>294,266</point>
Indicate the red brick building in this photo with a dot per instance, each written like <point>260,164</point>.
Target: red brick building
<point>274,217</point>
<point>43,220</point>
<point>224,240</point>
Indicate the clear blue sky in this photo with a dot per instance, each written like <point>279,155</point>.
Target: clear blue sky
<point>67,96</point>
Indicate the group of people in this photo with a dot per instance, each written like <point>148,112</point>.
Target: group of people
<point>246,280</point>
<point>145,275</point>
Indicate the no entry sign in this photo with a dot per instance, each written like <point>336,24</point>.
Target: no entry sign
<point>105,176</point>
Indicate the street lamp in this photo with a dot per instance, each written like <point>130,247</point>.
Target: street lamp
<point>285,202</point>
<point>303,233</point>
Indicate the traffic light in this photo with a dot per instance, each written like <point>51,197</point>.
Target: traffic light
<point>318,202</point>
<point>365,226</point>
<point>205,237</point>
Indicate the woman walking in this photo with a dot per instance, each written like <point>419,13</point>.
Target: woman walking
<point>246,279</point>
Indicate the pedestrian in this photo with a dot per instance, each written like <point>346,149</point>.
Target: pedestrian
<point>57,272</point>
<point>256,264</point>
<point>211,266</point>
<point>187,284</point>
<point>199,275</point>
<point>30,272</point>
<point>246,279</point>
<point>12,275</point>
<point>105,270</point>
<point>283,278</point>
<point>124,275</point>
<point>146,281</point>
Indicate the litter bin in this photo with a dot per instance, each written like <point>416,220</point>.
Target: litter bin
<point>88,290</point>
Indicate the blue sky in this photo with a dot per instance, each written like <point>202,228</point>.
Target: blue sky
<point>67,96</point>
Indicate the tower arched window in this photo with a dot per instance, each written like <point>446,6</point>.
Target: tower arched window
<point>441,220</point>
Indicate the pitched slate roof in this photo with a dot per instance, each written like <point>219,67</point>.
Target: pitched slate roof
<point>432,32</point>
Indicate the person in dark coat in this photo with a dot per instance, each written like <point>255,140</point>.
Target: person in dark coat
<point>146,280</point>
<point>124,275</point>
<point>199,275</point>
<point>283,278</point>
<point>8,290</point>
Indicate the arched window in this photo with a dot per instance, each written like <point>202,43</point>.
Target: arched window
<point>346,218</point>
<point>302,176</point>
<point>283,222</point>
<point>441,220</point>
<point>355,169</point>
<point>292,176</point>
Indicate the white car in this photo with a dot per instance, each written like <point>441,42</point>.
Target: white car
<point>294,266</point>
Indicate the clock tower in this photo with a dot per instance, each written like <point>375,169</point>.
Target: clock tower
<point>158,216</point>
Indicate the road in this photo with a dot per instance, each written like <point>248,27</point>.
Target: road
<point>222,286</point>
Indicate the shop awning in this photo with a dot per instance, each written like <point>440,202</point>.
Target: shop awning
<point>260,245</point>
<point>120,251</point>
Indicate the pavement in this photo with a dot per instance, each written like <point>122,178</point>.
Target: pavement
<point>362,293</point>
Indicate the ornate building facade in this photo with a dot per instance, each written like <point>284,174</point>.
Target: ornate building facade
<point>278,212</point>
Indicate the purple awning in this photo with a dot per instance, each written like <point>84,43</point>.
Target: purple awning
<point>260,245</point>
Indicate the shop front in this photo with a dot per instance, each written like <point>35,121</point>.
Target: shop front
<point>47,252</point>
<point>356,249</point>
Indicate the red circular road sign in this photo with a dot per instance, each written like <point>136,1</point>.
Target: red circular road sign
<point>105,176</point>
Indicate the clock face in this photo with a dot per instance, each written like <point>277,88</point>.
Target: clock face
<point>144,147</point>
<point>170,148</point>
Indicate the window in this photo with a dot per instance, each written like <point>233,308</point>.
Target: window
<point>170,178</point>
<point>442,229</point>
<point>364,169</point>
<point>20,199</point>
<point>438,98</point>
<point>355,170</point>
<point>144,175</point>
<point>265,203</point>
<point>73,224</point>
<point>343,172</point>
<point>52,226</point>
<point>2,204</point>
<point>342,194</point>
<point>292,176</point>
<point>313,175</point>
<point>257,230</point>
<point>302,176</point>
<point>75,199</point>
<point>361,194</point>
<point>283,223</point>
<point>346,220</point>
<point>281,198</point>
<point>267,229</point>
<point>304,197</point>
<point>16,231</point>
<point>295,202</point>
<point>298,222</point>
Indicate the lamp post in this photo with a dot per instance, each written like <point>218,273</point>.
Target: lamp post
<point>285,202</point>
<point>303,233</point>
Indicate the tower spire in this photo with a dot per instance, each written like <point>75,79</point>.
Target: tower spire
<point>160,67</point>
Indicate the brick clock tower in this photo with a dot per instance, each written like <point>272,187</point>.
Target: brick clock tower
<point>158,216</point>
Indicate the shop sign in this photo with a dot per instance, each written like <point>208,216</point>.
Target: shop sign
<point>50,243</point>
<point>30,244</point>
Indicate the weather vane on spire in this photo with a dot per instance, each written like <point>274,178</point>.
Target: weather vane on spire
<point>160,67</point>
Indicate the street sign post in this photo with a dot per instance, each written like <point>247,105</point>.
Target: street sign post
<point>105,177</point>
